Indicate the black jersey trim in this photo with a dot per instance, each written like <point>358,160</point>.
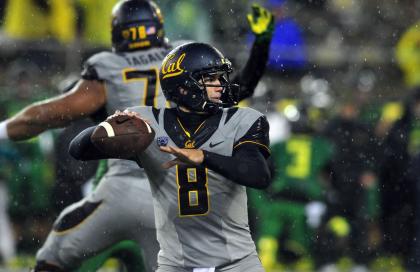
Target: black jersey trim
<point>76,217</point>
<point>230,113</point>
<point>175,131</point>
<point>156,112</point>
<point>90,73</point>
<point>253,142</point>
<point>257,134</point>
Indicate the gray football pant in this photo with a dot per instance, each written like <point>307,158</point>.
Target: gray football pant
<point>7,240</point>
<point>250,263</point>
<point>125,212</point>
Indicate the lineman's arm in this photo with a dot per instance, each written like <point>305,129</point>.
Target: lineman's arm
<point>261,22</point>
<point>85,98</point>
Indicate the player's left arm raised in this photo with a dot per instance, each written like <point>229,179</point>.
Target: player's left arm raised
<point>261,22</point>
<point>250,164</point>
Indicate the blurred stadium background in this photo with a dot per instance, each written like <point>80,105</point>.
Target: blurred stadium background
<point>341,91</point>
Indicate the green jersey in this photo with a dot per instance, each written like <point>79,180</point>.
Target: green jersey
<point>299,161</point>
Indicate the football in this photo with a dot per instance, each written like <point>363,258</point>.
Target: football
<point>122,136</point>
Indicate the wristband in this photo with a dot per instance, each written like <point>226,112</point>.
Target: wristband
<point>3,130</point>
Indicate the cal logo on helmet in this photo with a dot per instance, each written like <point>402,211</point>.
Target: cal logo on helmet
<point>172,67</point>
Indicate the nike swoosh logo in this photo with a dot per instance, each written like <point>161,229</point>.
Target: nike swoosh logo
<point>122,120</point>
<point>213,145</point>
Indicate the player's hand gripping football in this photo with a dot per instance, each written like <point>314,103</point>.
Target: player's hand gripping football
<point>127,113</point>
<point>123,135</point>
<point>124,113</point>
<point>261,22</point>
<point>183,156</point>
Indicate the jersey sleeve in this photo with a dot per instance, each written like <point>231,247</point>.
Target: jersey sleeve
<point>89,72</point>
<point>97,66</point>
<point>257,134</point>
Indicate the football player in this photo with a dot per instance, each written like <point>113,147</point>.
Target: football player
<point>126,77</point>
<point>204,156</point>
<point>286,219</point>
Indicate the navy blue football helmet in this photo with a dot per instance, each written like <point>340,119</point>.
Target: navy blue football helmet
<point>136,25</point>
<point>186,67</point>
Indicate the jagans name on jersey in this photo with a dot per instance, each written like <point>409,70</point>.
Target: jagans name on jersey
<point>146,58</point>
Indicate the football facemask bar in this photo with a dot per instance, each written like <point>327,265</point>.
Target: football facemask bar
<point>200,101</point>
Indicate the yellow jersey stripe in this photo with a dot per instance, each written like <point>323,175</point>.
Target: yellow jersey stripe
<point>252,142</point>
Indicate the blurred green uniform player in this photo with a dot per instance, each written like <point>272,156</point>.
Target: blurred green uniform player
<point>33,177</point>
<point>299,161</point>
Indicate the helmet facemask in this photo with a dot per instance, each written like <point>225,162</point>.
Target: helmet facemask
<point>198,97</point>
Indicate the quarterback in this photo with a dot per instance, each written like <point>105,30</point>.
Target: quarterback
<point>204,156</point>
